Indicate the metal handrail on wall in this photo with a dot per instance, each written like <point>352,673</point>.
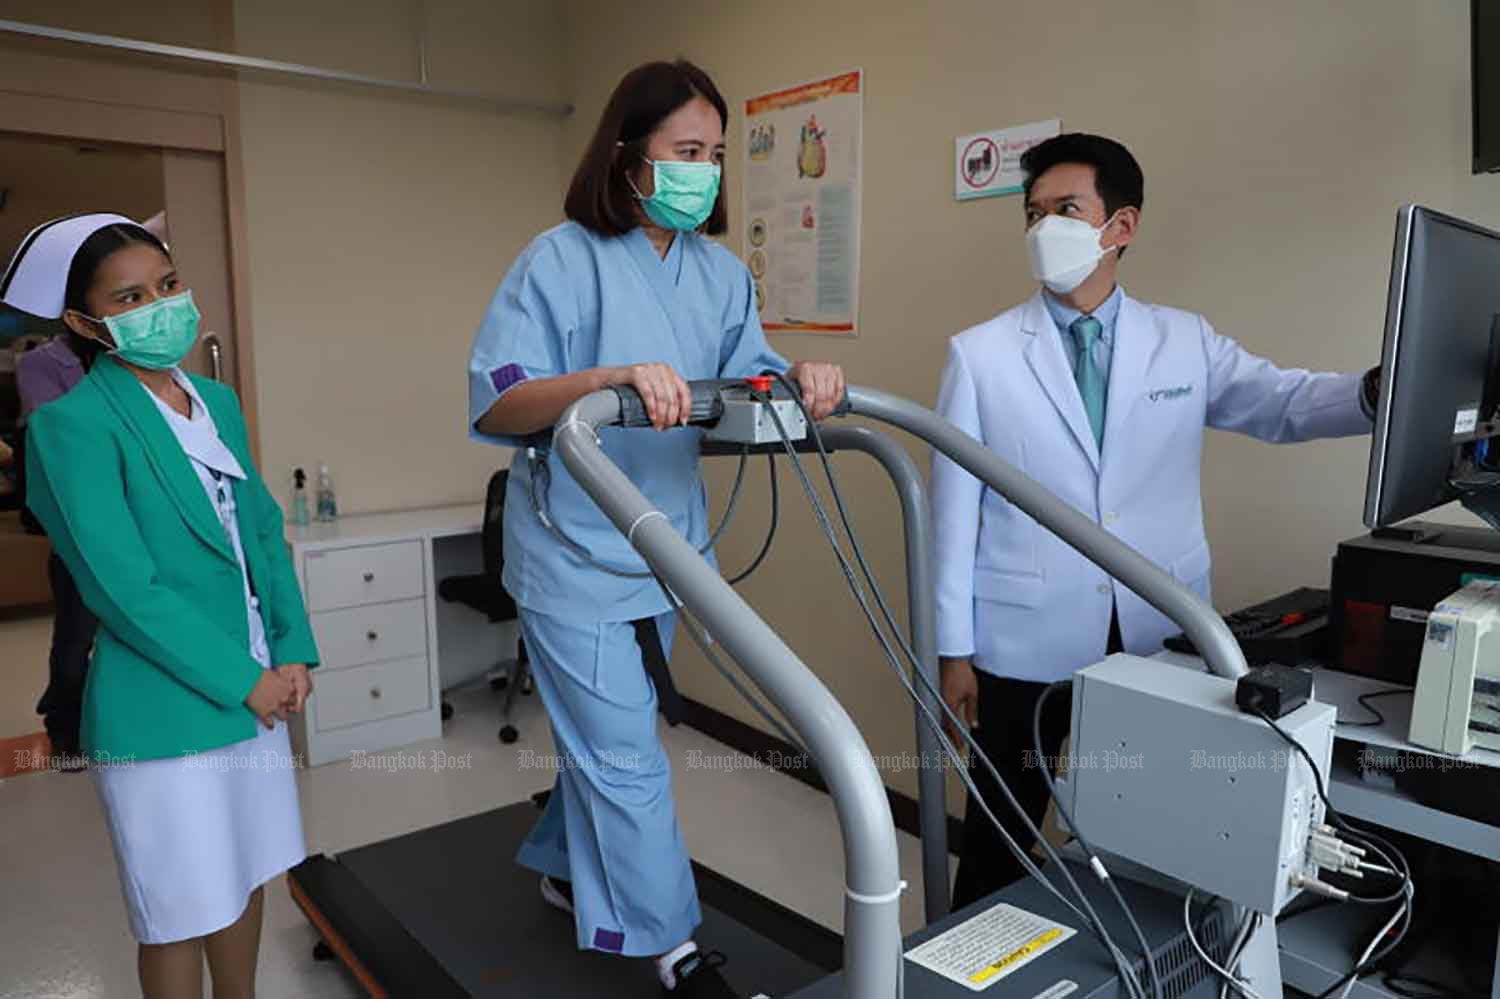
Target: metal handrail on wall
<point>498,102</point>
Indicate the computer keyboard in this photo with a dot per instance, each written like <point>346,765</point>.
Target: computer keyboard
<point>1291,629</point>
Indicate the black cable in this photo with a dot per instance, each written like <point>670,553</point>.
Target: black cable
<point>1251,926</point>
<point>1375,958</point>
<point>1317,903</point>
<point>1364,701</point>
<point>1337,820</point>
<point>765,549</point>
<point>539,466</point>
<point>837,493</point>
<point>1095,923</point>
<point>1394,860</point>
<point>734,497</point>
<point>693,627</point>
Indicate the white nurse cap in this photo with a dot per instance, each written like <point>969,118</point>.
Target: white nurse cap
<point>37,279</point>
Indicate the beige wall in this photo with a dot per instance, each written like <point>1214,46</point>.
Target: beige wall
<point>379,226</point>
<point>1277,139</point>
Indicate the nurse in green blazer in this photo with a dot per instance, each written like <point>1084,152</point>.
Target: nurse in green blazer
<point>143,479</point>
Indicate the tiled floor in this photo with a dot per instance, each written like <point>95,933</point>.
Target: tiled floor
<point>63,933</point>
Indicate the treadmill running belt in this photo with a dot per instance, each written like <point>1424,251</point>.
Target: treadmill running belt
<point>455,892</point>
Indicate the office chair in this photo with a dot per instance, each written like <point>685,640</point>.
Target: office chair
<point>484,593</point>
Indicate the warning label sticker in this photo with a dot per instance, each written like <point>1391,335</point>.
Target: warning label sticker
<point>981,951</point>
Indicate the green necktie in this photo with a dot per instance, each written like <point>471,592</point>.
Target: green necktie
<point>1086,330</point>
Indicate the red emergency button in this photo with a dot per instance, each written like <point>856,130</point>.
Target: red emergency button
<point>759,383</point>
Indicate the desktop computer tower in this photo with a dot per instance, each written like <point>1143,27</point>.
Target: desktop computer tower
<point>1386,583</point>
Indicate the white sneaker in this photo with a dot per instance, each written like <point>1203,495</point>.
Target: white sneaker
<point>558,894</point>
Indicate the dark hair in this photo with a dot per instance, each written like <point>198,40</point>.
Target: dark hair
<point>600,198</point>
<point>1117,176</point>
<point>86,263</point>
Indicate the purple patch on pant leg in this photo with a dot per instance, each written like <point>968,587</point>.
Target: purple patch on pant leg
<point>610,940</point>
<point>507,375</point>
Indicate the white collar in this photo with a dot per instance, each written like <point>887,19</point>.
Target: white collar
<point>197,433</point>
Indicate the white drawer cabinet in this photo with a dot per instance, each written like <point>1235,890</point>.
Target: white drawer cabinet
<point>357,636</point>
<point>368,574</point>
<point>369,594</point>
<point>362,695</point>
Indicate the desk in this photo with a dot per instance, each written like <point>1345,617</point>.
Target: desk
<point>1316,952</point>
<point>1303,962</point>
<point>389,646</point>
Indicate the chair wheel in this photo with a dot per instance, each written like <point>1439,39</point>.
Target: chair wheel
<point>446,711</point>
<point>508,734</point>
<point>322,952</point>
<point>500,683</point>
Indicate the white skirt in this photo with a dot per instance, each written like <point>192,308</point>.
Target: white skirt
<point>195,835</point>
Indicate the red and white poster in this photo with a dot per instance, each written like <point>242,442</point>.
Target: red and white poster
<point>802,204</point>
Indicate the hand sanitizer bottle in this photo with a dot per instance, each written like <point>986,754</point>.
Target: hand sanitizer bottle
<point>299,498</point>
<point>328,507</point>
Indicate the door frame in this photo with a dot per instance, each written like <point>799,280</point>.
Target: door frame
<point>62,90</point>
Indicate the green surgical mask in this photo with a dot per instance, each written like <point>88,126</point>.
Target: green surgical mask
<point>684,194</point>
<point>156,336</point>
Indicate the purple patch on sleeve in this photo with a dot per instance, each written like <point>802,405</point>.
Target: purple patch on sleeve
<point>505,377</point>
<point>610,940</point>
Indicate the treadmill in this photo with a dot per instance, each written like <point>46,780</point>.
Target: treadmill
<point>418,916</point>
<point>446,911</point>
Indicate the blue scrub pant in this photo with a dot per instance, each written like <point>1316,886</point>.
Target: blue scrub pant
<point>609,827</point>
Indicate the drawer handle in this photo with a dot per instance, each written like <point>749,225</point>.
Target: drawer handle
<point>375,693</point>
<point>372,635</point>
<point>369,577</point>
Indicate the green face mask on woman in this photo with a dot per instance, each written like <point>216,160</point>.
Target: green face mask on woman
<point>684,193</point>
<point>156,336</point>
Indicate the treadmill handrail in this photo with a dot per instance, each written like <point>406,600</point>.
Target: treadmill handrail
<point>921,603</point>
<point>1193,614</point>
<point>873,961</point>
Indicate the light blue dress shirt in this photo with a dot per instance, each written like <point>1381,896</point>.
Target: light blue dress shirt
<point>1104,348</point>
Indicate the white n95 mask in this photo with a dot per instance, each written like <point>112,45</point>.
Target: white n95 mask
<point>1064,251</point>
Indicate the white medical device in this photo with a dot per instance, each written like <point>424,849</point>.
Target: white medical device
<point>1457,703</point>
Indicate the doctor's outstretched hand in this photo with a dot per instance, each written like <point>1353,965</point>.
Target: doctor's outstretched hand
<point>822,386</point>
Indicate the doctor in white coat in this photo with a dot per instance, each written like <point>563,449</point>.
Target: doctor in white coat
<point>1103,400</point>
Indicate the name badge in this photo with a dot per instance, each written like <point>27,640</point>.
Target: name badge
<point>1168,394</point>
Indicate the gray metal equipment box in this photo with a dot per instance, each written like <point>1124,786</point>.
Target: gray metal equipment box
<point>749,421</point>
<point>1167,772</point>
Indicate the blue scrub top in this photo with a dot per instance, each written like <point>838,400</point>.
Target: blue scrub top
<point>576,300</point>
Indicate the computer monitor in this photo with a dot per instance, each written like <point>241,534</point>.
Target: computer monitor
<point>1439,371</point>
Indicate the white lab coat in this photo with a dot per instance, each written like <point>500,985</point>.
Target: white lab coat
<point>1009,592</point>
